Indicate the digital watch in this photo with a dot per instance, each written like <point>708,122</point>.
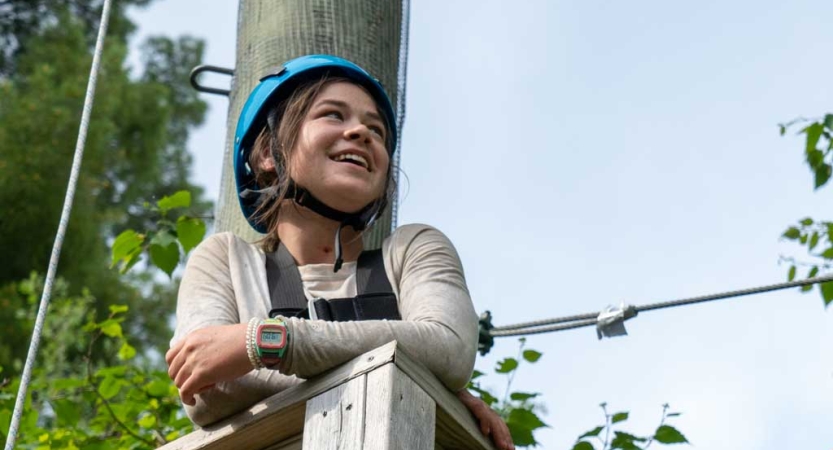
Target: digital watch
<point>271,340</point>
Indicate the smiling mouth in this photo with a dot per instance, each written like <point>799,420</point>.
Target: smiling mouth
<point>354,159</point>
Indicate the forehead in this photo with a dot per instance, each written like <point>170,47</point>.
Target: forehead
<point>352,94</point>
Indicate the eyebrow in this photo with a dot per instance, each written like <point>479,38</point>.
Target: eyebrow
<point>372,114</point>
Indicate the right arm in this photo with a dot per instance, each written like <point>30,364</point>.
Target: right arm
<point>217,296</point>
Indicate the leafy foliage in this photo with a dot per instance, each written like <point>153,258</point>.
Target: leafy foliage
<point>134,154</point>
<point>122,405</point>
<point>518,409</point>
<point>521,413</point>
<point>164,243</point>
<point>815,235</point>
<point>664,434</point>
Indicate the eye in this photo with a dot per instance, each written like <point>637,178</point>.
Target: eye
<point>333,114</point>
<point>377,130</point>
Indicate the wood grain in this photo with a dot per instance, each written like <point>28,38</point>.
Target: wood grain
<point>335,419</point>
<point>400,415</point>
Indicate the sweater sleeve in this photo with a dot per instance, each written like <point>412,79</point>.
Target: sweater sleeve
<point>216,289</point>
<point>438,326</point>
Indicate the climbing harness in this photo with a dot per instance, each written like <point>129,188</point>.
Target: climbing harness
<point>62,227</point>
<point>610,322</point>
<point>375,299</point>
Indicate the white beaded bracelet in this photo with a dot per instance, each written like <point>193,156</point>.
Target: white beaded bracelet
<point>250,343</point>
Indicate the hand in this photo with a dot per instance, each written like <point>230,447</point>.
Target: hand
<point>208,356</point>
<point>490,422</point>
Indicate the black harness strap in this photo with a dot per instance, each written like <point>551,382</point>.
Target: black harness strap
<point>376,300</point>
<point>371,277</point>
<point>285,286</point>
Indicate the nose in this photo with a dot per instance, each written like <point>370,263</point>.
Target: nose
<point>357,132</point>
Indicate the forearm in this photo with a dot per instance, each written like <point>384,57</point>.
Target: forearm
<point>317,346</point>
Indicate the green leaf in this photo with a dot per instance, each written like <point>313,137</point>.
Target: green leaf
<point>625,441</point>
<point>815,158</point>
<point>181,199</point>
<point>532,355</point>
<point>827,254</point>
<point>525,418</point>
<point>126,352</point>
<point>827,292</point>
<point>476,374</point>
<point>147,421</point>
<point>190,232</point>
<point>165,257</point>
<point>67,383</point>
<point>823,173</point>
<point>522,396</point>
<point>109,387</point>
<point>158,388</point>
<point>115,309</point>
<point>68,411</point>
<point>619,417</point>
<point>813,134</point>
<point>806,222</point>
<point>828,121</point>
<point>673,414</point>
<point>782,129</point>
<point>583,445</point>
<point>125,245</point>
<point>792,233</point>
<point>813,272</point>
<point>522,437</point>
<point>791,274</point>
<point>807,288</point>
<point>667,434</point>
<point>163,238</point>
<point>111,328</point>
<point>592,433</point>
<point>507,365</point>
<point>814,240</point>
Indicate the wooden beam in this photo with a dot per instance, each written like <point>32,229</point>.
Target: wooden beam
<point>280,416</point>
<point>400,415</point>
<point>335,419</point>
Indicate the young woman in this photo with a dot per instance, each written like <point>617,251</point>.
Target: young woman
<point>313,151</point>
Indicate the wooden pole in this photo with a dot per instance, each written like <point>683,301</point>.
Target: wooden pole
<point>270,32</point>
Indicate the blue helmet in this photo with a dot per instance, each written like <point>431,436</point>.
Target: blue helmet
<point>277,87</point>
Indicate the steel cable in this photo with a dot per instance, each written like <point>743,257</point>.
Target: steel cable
<point>590,319</point>
<point>62,227</point>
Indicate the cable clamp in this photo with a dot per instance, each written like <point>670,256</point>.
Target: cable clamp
<point>611,321</point>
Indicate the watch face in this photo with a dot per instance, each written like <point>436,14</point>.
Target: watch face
<point>271,337</point>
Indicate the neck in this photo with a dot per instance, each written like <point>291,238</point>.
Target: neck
<point>309,237</point>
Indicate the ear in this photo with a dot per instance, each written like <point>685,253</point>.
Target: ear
<point>265,160</point>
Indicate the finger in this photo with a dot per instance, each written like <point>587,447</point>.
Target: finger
<point>191,387</point>
<point>177,363</point>
<point>172,352</point>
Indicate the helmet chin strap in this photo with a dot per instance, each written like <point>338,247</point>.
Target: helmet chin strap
<point>359,220</point>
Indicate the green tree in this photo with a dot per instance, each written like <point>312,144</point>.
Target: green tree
<point>135,154</point>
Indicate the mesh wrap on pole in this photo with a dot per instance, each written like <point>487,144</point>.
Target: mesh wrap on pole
<point>269,33</point>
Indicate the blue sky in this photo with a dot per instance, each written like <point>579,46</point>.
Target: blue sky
<point>581,154</point>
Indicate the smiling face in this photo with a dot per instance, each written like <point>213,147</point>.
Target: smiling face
<point>340,154</point>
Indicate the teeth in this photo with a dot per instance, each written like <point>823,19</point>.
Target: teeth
<point>352,157</point>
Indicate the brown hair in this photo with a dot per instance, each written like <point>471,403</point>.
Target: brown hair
<point>277,140</point>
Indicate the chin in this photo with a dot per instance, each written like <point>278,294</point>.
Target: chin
<point>347,198</point>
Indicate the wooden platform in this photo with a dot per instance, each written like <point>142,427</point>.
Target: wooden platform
<point>380,400</point>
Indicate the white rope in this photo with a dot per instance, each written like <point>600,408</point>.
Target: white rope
<point>401,85</point>
<point>62,227</point>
